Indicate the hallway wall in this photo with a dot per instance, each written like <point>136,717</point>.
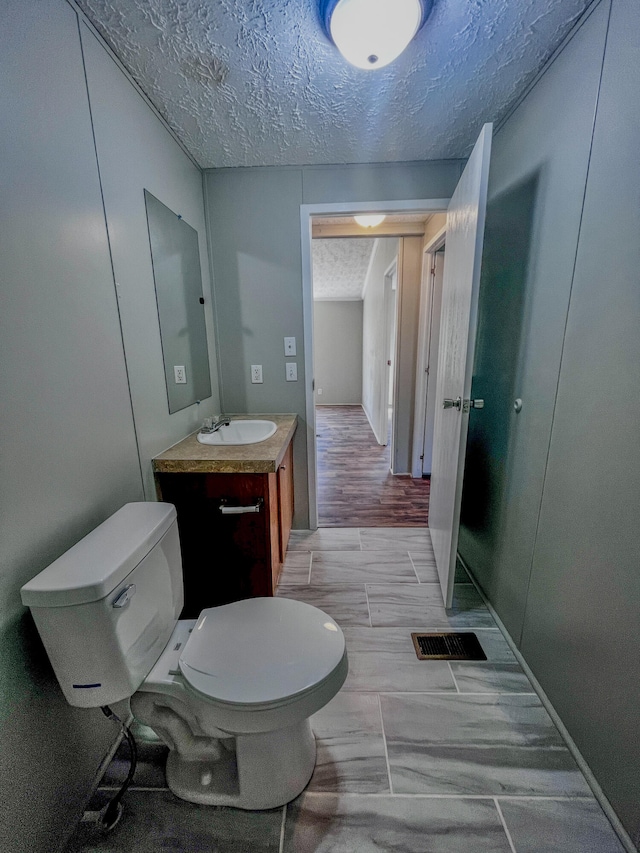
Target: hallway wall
<point>337,346</point>
<point>551,495</point>
<point>409,282</point>
<point>374,378</point>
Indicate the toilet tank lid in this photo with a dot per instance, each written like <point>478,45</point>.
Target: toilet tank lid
<point>94,567</point>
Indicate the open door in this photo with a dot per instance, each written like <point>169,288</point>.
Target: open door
<point>465,233</point>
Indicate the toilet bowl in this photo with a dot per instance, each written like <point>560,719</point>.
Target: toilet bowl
<point>230,693</point>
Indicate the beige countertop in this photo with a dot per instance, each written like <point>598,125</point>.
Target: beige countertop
<point>190,457</point>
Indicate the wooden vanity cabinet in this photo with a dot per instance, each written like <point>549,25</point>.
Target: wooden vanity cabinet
<point>228,557</point>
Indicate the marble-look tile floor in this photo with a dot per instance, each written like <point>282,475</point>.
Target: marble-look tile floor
<point>421,756</point>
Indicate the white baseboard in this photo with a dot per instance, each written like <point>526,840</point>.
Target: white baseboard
<point>381,443</point>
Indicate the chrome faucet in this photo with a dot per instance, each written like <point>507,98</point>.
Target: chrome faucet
<point>212,425</point>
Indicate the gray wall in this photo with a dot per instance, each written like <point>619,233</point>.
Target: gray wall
<point>536,185</point>
<point>68,454</point>
<point>136,153</point>
<point>254,226</point>
<point>337,351</point>
<point>551,495</point>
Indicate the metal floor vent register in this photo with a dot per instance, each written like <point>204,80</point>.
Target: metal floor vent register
<point>448,647</point>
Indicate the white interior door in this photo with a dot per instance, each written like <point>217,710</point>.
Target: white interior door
<point>465,232</point>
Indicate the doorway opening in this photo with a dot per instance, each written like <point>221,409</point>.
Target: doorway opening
<point>366,295</point>
<point>428,346</point>
<point>390,310</point>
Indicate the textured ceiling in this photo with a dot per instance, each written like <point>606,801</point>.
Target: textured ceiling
<point>256,82</point>
<point>340,267</point>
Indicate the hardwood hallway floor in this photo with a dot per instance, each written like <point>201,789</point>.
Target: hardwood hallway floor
<point>355,486</point>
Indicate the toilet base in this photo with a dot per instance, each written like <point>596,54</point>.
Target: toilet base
<point>267,770</point>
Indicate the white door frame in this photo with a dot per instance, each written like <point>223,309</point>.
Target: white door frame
<point>390,333</point>
<point>424,339</point>
<point>340,209</point>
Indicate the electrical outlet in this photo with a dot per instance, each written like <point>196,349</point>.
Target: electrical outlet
<point>256,374</point>
<point>179,374</point>
<point>289,346</point>
<point>319,392</point>
<point>292,371</point>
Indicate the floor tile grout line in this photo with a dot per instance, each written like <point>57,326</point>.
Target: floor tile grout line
<point>415,571</point>
<point>310,565</point>
<point>453,676</point>
<point>440,627</point>
<point>504,826</point>
<point>529,798</point>
<point>440,693</point>
<point>132,788</point>
<point>386,751</point>
<point>368,605</point>
<point>282,825</point>
<point>424,583</point>
<point>451,693</point>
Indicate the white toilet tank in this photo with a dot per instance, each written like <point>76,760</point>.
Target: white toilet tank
<point>106,608</point>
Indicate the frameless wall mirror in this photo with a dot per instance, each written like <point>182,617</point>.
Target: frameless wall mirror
<point>175,258</point>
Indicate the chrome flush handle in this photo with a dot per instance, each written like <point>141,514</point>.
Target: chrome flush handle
<point>125,596</point>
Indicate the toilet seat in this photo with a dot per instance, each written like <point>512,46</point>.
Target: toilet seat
<point>261,652</point>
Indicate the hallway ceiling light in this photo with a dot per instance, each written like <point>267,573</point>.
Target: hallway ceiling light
<point>370,221</point>
<point>372,33</point>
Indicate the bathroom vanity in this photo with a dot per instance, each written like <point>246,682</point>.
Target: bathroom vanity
<point>235,509</point>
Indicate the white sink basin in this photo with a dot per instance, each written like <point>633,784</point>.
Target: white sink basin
<point>239,432</point>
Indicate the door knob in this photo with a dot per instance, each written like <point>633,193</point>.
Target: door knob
<point>476,404</point>
<point>517,406</point>
<point>447,403</point>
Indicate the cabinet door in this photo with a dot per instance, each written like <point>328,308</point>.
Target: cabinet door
<point>225,557</point>
<point>285,499</point>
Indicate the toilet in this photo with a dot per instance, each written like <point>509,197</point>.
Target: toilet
<point>230,693</point>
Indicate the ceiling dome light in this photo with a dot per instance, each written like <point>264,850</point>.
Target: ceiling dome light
<point>370,221</point>
<point>372,33</point>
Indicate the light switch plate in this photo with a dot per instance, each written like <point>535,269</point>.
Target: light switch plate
<point>179,374</point>
<point>292,371</point>
<point>290,346</point>
<point>256,374</point>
